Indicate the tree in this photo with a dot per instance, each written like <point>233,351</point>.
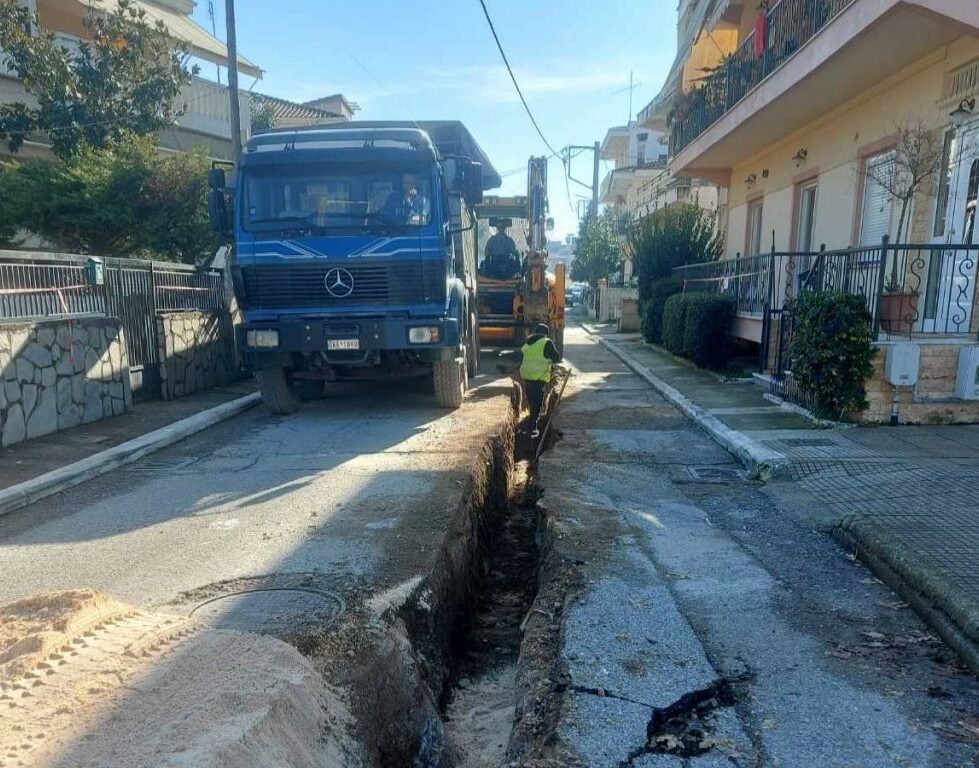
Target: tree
<point>672,237</point>
<point>263,116</point>
<point>124,199</point>
<point>599,252</point>
<point>124,80</point>
<point>918,159</point>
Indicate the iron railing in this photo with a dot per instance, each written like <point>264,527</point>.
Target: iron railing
<point>45,285</point>
<point>789,25</point>
<point>908,289</point>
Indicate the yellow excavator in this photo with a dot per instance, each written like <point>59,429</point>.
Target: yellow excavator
<point>515,293</point>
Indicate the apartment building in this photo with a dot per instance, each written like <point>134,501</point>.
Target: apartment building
<point>206,118</point>
<point>815,115</point>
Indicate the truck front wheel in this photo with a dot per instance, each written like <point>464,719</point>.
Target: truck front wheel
<point>451,380</point>
<point>276,390</point>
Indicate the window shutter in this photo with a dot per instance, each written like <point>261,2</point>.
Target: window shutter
<point>876,216</point>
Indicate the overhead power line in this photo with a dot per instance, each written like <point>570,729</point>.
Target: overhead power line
<point>513,77</point>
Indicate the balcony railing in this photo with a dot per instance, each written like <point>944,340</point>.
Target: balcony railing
<point>790,24</point>
<point>908,289</point>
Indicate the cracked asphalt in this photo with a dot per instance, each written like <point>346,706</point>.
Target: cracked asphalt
<point>692,579</point>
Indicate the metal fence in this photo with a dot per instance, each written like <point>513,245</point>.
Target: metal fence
<point>44,285</point>
<point>789,25</point>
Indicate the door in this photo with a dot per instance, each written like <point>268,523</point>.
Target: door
<point>805,226</point>
<point>956,268</point>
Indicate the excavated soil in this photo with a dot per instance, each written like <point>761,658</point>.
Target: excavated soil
<point>86,680</point>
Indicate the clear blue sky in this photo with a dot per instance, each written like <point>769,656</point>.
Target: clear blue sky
<point>435,59</point>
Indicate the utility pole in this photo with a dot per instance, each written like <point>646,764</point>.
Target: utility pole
<point>594,181</point>
<point>229,11</point>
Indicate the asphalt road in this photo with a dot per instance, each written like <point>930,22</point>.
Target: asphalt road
<point>350,495</point>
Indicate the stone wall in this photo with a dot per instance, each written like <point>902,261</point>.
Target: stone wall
<point>197,351</point>
<point>932,400</point>
<point>56,374</point>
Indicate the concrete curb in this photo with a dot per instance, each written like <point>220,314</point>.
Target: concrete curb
<point>954,621</point>
<point>761,463</point>
<point>18,496</point>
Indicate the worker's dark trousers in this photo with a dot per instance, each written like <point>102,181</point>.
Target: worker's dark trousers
<point>535,398</point>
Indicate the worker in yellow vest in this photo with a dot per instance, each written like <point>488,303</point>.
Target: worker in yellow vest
<point>539,353</point>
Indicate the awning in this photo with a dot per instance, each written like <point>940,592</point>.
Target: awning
<point>201,43</point>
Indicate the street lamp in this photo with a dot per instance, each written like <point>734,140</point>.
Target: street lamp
<point>962,112</point>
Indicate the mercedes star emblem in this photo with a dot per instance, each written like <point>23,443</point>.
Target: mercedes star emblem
<point>339,283</point>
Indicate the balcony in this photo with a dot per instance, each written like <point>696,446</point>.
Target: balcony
<point>790,25</point>
<point>816,56</point>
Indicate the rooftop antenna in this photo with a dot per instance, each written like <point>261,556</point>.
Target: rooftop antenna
<point>632,87</point>
<point>214,30</point>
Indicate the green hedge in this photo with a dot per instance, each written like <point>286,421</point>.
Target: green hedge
<point>697,326</point>
<point>830,351</point>
<point>652,310</point>
<point>674,320</point>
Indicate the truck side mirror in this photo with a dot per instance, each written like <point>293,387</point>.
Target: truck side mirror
<point>474,183</point>
<point>217,207</point>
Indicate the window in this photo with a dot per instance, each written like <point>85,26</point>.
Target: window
<point>753,245</point>
<point>877,209</point>
<point>944,182</point>
<point>969,227</point>
<point>348,197</point>
<point>807,216</point>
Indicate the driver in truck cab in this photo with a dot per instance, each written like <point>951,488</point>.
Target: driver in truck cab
<point>408,205</point>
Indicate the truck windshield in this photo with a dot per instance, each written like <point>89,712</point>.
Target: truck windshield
<point>337,197</point>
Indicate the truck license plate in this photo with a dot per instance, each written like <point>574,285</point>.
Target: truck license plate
<point>332,344</point>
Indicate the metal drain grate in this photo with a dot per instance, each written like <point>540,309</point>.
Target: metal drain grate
<point>807,442</point>
<point>161,466</point>
<point>708,474</point>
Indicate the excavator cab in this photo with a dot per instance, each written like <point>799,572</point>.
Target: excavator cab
<point>512,303</point>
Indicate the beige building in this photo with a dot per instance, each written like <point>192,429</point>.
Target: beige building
<point>815,122</point>
<point>206,118</point>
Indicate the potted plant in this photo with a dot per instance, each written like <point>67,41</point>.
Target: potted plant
<point>898,307</point>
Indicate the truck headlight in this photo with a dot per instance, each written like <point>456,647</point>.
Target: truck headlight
<point>264,339</point>
<point>424,334</point>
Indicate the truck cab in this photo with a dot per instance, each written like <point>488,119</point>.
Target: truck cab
<point>346,265</point>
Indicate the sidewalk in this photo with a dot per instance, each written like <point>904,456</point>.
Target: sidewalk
<point>905,499</point>
<point>37,468</point>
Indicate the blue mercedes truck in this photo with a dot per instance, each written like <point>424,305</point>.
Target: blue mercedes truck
<point>355,255</point>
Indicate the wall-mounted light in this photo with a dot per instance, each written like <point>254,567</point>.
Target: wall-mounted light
<point>799,158</point>
<point>750,179</point>
<point>962,112</point>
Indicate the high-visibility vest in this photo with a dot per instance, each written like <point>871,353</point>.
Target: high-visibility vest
<point>535,366</point>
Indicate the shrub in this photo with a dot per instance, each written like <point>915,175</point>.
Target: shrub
<point>123,200</point>
<point>697,326</point>
<point>830,352</point>
<point>672,237</point>
<point>706,332</point>
<point>674,315</point>
<point>652,308</point>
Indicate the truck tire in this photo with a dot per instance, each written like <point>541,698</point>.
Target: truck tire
<point>276,391</point>
<point>451,381</point>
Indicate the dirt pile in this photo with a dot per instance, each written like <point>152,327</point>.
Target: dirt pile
<point>86,680</point>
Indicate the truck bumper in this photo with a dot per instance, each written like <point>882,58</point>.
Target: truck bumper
<point>305,336</point>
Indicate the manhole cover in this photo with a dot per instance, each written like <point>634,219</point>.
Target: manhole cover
<point>270,610</point>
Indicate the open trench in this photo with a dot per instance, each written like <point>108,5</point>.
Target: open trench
<point>439,680</point>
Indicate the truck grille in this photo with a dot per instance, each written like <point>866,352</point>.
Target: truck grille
<point>283,286</point>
